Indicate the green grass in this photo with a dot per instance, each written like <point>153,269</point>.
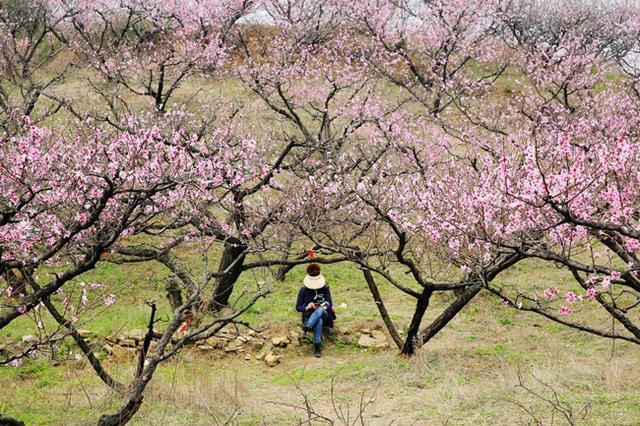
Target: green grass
<point>465,375</point>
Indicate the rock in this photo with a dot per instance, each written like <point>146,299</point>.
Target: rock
<point>230,348</point>
<point>268,346</point>
<point>343,306</point>
<point>108,348</point>
<point>29,338</point>
<point>295,339</point>
<point>382,344</point>
<point>244,339</point>
<point>345,332</point>
<point>342,330</point>
<point>251,333</point>
<point>378,335</point>
<point>136,334</point>
<point>228,330</point>
<point>272,360</point>
<point>130,343</point>
<point>365,331</point>
<point>260,356</point>
<point>348,339</point>
<point>85,333</point>
<point>366,341</point>
<point>216,342</point>
<point>205,347</point>
<point>281,341</point>
<point>257,344</point>
<point>247,357</point>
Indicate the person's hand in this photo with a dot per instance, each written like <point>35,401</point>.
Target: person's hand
<point>310,306</point>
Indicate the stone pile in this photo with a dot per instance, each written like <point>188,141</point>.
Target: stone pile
<point>372,339</point>
<point>228,342</point>
<point>267,346</point>
<point>365,337</point>
<point>31,341</point>
<point>125,346</point>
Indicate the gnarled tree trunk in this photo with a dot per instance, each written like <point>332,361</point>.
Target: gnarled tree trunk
<point>391,328</point>
<point>411,341</point>
<point>230,268</point>
<point>464,297</point>
<point>10,421</point>
<point>174,293</point>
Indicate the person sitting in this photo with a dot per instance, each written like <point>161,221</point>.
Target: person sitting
<point>315,304</point>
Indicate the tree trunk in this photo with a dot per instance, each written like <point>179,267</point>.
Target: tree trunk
<point>282,271</point>
<point>449,313</point>
<point>124,415</point>
<point>143,377</point>
<point>174,293</point>
<point>464,296</point>
<point>422,304</point>
<point>10,421</point>
<point>391,328</point>
<point>230,267</point>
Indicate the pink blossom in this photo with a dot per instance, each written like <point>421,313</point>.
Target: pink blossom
<point>493,193</point>
<point>109,299</point>
<point>565,310</point>
<point>632,245</point>
<point>21,309</point>
<point>571,297</point>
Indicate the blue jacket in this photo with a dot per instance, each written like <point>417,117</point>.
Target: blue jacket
<point>305,296</point>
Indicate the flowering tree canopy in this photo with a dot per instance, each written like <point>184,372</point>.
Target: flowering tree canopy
<point>446,139</point>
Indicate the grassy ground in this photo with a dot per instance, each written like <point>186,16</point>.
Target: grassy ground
<point>468,374</point>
